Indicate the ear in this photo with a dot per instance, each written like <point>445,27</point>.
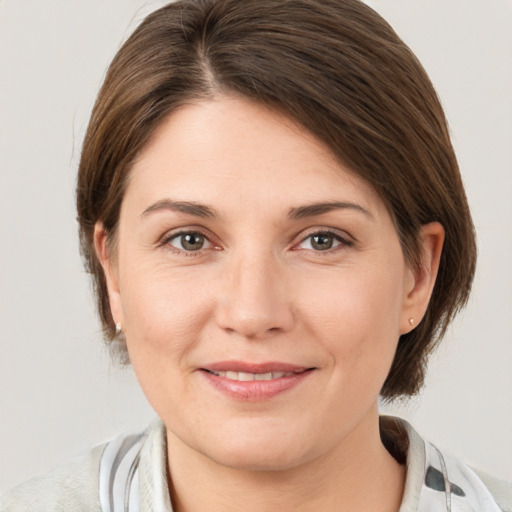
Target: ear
<point>420,282</point>
<point>110,270</point>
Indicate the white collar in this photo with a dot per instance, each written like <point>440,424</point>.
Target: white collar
<point>438,482</point>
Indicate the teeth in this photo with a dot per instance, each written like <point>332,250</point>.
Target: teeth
<point>263,376</point>
<point>247,377</point>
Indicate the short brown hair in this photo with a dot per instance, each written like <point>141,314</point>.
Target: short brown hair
<point>337,68</point>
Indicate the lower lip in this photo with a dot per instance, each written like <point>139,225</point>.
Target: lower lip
<point>255,390</point>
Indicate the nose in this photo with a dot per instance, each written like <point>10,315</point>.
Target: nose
<point>254,301</point>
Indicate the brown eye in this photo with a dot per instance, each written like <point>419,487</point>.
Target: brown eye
<point>191,241</point>
<point>322,241</point>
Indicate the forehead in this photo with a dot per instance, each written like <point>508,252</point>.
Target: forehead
<point>231,151</point>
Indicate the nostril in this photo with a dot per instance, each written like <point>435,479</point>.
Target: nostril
<point>253,315</point>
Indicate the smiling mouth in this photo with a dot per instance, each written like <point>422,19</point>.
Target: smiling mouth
<point>254,382</point>
<point>248,377</point>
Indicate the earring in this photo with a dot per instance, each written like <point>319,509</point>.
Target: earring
<point>411,321</point>
<point>119,328</point>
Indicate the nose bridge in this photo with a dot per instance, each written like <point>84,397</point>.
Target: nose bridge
<point>254,302</point>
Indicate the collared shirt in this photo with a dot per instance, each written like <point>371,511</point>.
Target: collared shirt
<point>129,474</point>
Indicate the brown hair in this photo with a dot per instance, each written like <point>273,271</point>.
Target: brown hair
<point>337,68</point>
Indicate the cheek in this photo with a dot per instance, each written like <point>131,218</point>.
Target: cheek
<point>165,316</point>
<point>165,309</point>
<point>356,312</point>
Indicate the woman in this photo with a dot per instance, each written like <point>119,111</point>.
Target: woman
<point>274,220</point>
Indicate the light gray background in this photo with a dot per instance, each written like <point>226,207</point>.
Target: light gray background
<point>59,394</point>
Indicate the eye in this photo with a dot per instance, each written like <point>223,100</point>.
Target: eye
<point>189,241</point>
<point>323,241</point>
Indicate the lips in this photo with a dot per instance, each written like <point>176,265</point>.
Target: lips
<point>254,382</point>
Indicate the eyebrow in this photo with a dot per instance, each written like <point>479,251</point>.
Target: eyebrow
<point>188,207</point>
<point>206,212</point>
<point>311,210</point>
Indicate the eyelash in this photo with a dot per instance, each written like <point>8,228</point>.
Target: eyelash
<point>343,242</point>
<point>166,242</point>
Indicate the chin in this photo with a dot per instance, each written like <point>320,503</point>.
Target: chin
<point>278,453</point>
<point>258,462</point>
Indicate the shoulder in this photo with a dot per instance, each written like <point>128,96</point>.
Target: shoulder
<point>107,475</point>
<point>500,490</point>
<point>435,478</point>
<point>72,486</point>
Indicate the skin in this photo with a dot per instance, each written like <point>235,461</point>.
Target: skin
<point>260,290</point>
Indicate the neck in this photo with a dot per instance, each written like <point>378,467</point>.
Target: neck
<point>357,475</point>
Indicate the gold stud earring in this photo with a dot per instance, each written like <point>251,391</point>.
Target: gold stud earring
<point>411,321</point>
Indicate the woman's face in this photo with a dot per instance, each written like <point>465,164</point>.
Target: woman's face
<point>261,287</point>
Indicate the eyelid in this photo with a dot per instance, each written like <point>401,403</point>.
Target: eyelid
<point>165,240</point>
<point>344,238</point>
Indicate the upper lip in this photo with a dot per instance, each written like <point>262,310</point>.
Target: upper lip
<point>246,367</point>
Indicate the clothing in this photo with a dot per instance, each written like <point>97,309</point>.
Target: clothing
<point>129,474</point>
